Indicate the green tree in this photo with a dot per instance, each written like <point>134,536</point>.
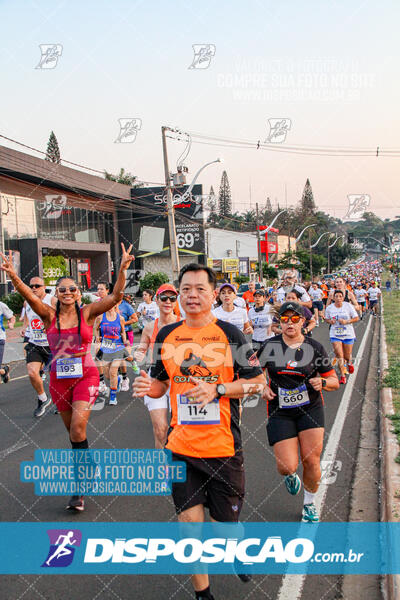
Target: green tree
<point>123,177</point>
<point>212,207</point>
<point>14,302</point>
<point>300,260</point>
<point>250,219</point>
<point>52,150</point>
<point>224,197</point>
<point>269,272</point>
<point>239,279</point>
<point>307,204</point>
<point>53,268</point>
<point>152,281</point>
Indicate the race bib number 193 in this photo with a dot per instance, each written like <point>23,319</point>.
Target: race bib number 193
<point>67,368</point>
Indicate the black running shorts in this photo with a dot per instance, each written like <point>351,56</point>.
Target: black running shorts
<point>283,427</point>
<point>217,483</point>
<point>40,354</point>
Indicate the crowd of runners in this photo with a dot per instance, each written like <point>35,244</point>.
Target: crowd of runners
<point>203,350</point>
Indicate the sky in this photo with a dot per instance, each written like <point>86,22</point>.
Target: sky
<point>328,69</point>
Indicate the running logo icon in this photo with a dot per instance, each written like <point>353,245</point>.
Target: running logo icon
<point>203,53</point>
<point>358,204</point>
<point>278,129</point>
<point>50,55</point>
<point>63,543</point>
<point>128,129</point>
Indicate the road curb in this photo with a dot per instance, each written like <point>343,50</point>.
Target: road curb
<point>390,470</point>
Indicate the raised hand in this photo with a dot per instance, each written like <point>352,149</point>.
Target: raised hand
<point>7,264</point>
<point>126,258</point>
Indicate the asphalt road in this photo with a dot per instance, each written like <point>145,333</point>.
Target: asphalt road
<point>127,425</point>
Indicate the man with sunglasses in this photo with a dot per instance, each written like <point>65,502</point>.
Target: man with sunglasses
<point>299,369</point>
<point>166,298</point>
<point>37,350</point>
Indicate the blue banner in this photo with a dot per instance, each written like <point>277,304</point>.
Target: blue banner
<point>166,548</point>
<point>99,472</point>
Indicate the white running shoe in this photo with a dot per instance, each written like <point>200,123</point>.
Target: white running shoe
<point>125,385</point>
<point>103,387</point>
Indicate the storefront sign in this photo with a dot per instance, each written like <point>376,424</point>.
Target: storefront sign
<point>230,265</point>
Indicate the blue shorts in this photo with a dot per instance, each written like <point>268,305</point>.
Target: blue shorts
<point>348,342</point>
<point>373,302</point>
<point>2,344</point>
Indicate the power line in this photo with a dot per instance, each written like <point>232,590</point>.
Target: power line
<point>354,152</point>
<point>73,163</point>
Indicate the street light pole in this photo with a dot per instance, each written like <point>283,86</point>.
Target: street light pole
<point>171,212</point>
<point>309,243</point>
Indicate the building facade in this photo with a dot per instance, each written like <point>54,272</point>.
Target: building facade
<point>48,211</point>
<point>233,253</point>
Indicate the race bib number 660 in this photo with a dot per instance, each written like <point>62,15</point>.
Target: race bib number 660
<point>294,397</point>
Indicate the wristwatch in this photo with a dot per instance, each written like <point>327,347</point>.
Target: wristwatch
<point>221,391</point>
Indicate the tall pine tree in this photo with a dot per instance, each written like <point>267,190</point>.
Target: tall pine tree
<point>53,151</point>
<point>307,204</point>
<point>212,207</point>
<point>224,198</point>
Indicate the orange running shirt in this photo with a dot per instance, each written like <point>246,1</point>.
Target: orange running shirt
<point>215,353</point>
<point>248,297</point>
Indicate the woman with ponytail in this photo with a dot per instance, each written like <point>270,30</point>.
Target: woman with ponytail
<point>74,378</point>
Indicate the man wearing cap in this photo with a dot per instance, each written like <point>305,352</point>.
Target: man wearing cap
<point>261,319</point>
<point>166,297</point>
<point>298,369</point>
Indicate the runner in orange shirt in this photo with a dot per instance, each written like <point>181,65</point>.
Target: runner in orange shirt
<point>248,296</point>
<point>207,364</point>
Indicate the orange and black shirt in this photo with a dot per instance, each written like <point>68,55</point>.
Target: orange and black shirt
<point>215,353</point>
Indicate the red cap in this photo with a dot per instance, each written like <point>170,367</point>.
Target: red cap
<point>166,287</point>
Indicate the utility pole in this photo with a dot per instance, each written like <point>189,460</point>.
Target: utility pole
<point>289,248</point>
<point>260,266</point>
<point>329,257</point>
<point>309,241</point>
<point>171,212</point>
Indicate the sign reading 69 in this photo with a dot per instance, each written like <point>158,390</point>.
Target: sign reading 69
<point>185,240</point>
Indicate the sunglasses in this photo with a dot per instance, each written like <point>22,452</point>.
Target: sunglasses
<point>35,286</point>
<point>164,298</point>
<point>71,288</point>
<point>293,318</point>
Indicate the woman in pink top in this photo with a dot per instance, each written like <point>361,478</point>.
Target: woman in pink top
<point>74,379</point>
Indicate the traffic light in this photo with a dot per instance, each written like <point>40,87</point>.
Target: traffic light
<point>350,238</point>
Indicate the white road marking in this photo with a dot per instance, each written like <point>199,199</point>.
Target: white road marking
<point>16,378</point>
<point>12,449</point>
<point>292,585</point>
